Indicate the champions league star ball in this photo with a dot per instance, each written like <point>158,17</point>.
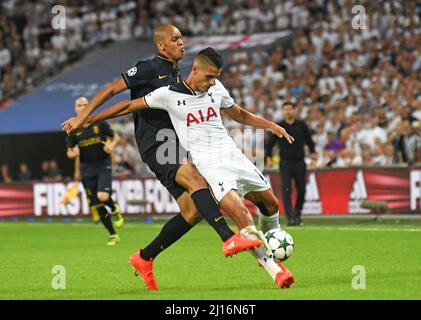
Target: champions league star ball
<point>281,244</point>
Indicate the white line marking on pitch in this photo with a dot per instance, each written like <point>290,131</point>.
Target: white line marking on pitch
<point>158,225</point>
<point>358,229</point>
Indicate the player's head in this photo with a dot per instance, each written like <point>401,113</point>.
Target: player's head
<point>207,67</point>
<point>80,104</point>
<point>168,40</point>
<point>288,110</point>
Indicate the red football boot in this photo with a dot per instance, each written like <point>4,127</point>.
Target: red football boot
<point>145,269</point>
<point>284,279</point>
<point>238,243</point>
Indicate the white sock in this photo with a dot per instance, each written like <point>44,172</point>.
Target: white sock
<point>261,253</point>
<point>267,223</point>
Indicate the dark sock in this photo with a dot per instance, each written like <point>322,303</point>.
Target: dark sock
<point>105,218</point>
<point>209,210</point>
<point>173,230</point>
<point>110,203</point>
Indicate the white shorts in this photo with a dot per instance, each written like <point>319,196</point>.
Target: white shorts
<point>239,174</point>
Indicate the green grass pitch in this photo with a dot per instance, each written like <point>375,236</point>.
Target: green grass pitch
<point>325,253</point>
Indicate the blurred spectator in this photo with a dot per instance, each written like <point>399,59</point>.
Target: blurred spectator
<point>126,157</point>
<point>348,158</point>
<point>320,138</point>
<point>412,141</point>
<point>417,142</point>
<point>386,157</point>
<point>24,173</point>
<point>333,144</point>
<point>5,176</point>
<point>127,127</point>
<point>366,155</point>
<point>54,173</point>
<point>121,167</point>
<point>405,142</point>
<point>45,167</point>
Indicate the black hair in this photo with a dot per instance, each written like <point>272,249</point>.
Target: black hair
<point>288,103</point>
<point>213,56</point>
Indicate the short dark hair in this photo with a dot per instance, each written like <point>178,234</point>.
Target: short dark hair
<point>212,56</point>
<point>288,103</point>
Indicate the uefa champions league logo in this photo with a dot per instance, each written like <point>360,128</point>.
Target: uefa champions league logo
<point>132,72</point>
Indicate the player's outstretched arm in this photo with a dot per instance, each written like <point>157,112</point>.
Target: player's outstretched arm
<point>119,109</point>
<point>76,174</point>
<point>243,116</point>
<point>73,153</point>
<point>106,93</point>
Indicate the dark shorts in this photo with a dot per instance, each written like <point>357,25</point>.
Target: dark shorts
<point>99,183</point>
<point>165,173</point>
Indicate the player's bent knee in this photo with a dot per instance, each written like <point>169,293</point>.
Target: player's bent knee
<point>103,196</point>
<point>191,217</point>
<point>191,180</point>
<point>196,183</point>
<point>272,205</point>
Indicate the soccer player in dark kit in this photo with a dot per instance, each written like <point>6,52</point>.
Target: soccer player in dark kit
<point>182,180</point>
<point>94,145</point>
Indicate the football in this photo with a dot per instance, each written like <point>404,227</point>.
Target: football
<point>281,243</point>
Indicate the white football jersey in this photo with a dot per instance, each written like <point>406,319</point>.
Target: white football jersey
<point>197,120</point>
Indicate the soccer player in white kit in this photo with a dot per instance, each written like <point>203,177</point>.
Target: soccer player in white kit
<point>194,106</point>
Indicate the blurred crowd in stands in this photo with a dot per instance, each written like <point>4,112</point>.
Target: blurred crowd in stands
<point>359,90</point>
<point>49,171</point>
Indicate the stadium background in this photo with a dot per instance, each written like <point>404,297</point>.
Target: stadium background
<point>357,89</point>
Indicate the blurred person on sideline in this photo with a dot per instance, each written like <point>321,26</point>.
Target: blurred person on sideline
<point>292,165</point>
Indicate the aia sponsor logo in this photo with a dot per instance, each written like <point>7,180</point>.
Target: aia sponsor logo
<point>200,117</point>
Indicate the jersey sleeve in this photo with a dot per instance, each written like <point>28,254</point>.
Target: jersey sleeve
<point>158,99</point>
<point>106,130</point>
<point>227,101</point>
<point>139,75</point>
<point>71,141</point>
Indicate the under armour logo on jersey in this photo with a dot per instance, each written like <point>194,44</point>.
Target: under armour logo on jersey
<point>221,185</point>
<point>183,101</point>
<point>132,72</point>
<point>210,95</point>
